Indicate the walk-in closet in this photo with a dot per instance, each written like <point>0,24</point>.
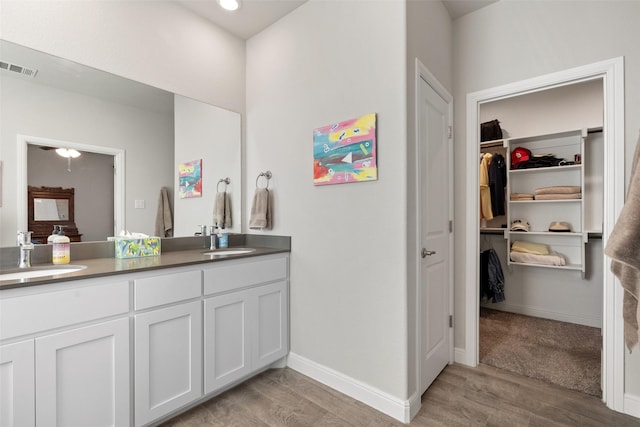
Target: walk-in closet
<point>541,254</point>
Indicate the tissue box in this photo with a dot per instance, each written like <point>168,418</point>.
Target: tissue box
<point>127,247</point>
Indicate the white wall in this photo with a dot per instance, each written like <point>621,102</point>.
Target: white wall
<point>570,107</point>
<point>211,134</point>
<point>510,41</point>
<point>42,111</point>
<point>91,177</point>
<point>326,62</point>
<point>430,39</point>
<point>159,43</point>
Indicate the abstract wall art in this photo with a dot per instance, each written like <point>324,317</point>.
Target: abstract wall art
<point>190,179</point>
<point>345,152</point>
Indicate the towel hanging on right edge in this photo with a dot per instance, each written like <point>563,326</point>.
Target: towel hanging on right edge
<point>261,214</point>
<point>624,249</point>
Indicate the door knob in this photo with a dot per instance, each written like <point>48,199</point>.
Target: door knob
<point>426,253</point>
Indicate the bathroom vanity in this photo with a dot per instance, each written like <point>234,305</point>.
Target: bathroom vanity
<point>134,342</point>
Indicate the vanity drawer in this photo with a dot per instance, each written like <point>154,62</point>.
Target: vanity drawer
<point>230,275</point>
<point>166,289</point>
<point>36,312</point>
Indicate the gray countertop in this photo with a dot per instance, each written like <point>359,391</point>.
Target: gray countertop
<point>108,266</point>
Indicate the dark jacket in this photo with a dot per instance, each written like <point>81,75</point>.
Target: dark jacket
<point>491,276</point>
<point>497,183</point>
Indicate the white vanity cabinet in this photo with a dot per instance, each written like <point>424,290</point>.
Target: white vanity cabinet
<point>134,349</point>
<point>246,321</point>
<point>17,384</point>
<point>69,364</point>
<point>82,376</point>
<point>168,343</point>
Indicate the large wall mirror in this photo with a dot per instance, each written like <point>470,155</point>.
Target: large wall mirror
<point>49,102</point>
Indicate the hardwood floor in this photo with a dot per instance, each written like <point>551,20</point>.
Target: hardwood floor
<point>460,396</point>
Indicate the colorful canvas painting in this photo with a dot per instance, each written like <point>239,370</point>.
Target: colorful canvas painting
<point>345,152</point>
<point>190,179</point>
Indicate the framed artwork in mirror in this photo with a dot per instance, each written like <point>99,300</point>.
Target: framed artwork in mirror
<point>49,206</point>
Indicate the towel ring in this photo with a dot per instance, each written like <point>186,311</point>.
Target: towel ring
<point>226,181</point>
<point>267,175</point>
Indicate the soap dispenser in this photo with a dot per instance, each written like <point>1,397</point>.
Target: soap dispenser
<point>61,252</point>
<point>54,233</point>
<point>223,238</point>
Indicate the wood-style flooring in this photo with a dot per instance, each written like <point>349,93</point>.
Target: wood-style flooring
<point>460,396</point>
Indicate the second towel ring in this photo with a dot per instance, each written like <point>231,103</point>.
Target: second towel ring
<point>226,181</point>
<point>267,175</point>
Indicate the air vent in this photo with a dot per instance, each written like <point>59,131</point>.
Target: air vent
<point>29,72</point>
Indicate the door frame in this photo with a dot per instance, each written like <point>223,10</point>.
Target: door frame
<point>612,73</point>
<point>24,141</point>
<point>422,72</point>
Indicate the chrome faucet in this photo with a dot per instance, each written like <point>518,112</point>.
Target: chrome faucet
<point>203,233</point>
<point>24,242</point>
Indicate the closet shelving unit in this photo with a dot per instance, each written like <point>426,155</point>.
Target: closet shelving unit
<point>540,213</point>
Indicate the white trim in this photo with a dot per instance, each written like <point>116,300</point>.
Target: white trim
<point>460,355</point>
<point>593,321</point>
<point>415,403</point>
<point>632,405</point>
<point>396,408</point>
<point>422,72</point>
<point>119,175</point>
<point>612,73</point>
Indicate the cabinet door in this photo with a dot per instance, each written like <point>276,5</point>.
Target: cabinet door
<point>227,339</point>
<point>168,360</point>
<point>17,393</point>
<point>82,376</point>
<point>271,337</point>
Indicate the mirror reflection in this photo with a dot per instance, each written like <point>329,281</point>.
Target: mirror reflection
<point>50,210</point>
<point>141,133</point>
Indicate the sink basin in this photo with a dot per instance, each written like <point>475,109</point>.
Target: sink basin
<point>32,272</point>
<point>225,252</point>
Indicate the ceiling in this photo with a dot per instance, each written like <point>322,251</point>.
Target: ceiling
<point>256,15</point>
<point>458,8</point>
<point>252,17</point>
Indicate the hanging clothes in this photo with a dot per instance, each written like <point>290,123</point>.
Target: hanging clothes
<point>485,194</point>
<point>491,277</point>
<point>497,183</point>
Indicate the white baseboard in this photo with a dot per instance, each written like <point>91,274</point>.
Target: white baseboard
<point>401,410</point>
<point>592,321</point>
<point>460,356</point>
<point>632,405</point>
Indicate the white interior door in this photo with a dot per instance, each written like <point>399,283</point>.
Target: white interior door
<point>434,280</point>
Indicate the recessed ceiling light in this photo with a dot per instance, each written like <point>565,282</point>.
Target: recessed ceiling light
<point>229,4</point>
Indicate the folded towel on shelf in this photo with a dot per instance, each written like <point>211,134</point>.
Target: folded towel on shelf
<point>559,189</point>
<point>624,249</point>
<point>222,210</point>
<point>559,196</point>
<point>261,210</point>
<point>530,247</point>
<point>552,258</point>
<point>521,196</point>
<point>164,219</point>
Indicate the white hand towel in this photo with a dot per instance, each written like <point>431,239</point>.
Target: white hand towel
<point>261,210</point>
<point>222,210</point>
